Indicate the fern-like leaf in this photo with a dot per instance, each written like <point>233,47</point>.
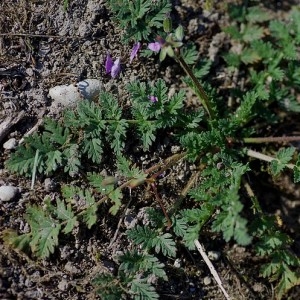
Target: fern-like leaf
<point>140,289</point>
<point>283,157</point>
<point>164,243</point>
<point>64,212</point>
<point>44,231</point>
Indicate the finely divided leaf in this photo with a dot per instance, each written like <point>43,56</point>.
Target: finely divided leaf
<point>90,213</point>
<point>65,213</point>
<point>115,196</point>
<point>165,244</point>
<point>142,235</point>
<point>93,148</point>
<point>252,32</point>
<point>72,156</point>
<point>143,290</point>
<point>44,231</point>
<point>54,160</point>
<point>288,280</point>
<point>283,157</point>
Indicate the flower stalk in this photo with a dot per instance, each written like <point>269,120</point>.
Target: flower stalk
<point>271,139</point>
<point>198,87</point>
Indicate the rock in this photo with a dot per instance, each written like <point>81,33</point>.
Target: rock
<point>63,285</point>
<point>8,192</point>
<point>69,267</point>
<point>130,220</point>
<point>177,263</point>
<point>213,255</point>
<point>10,144</point>
<point>70,95</point>
<point>207,280</point>
<point>49,184</point>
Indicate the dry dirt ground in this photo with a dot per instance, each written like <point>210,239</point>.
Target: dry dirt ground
<point>43,45</point>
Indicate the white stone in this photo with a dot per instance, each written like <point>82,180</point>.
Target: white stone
<point>10,144</point>
<point>8,192</point>
<point>213,255</point>
<point>177,263</point>
<point>70,95</point>
<point>63,285</point>
<point>207,280</point>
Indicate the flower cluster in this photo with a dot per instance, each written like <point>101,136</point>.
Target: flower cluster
<point>114,67</point>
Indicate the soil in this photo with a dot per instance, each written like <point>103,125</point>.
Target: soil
<point>43,45</point>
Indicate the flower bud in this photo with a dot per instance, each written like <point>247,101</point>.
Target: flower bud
<point>136,182</point>
<point>167,24</point>
<point>179,33</point>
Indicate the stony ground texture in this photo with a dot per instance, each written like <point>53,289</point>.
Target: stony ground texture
<point>42,45</point>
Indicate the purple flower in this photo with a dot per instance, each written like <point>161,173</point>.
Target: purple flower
<point>134,51</point>
<point>112,67</point>
<point>116,68</point>
<point>155,46</point>
<point>108,64</point>
<point>153,99</point>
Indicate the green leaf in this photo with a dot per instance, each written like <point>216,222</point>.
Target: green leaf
<point>246,110</point>
<point>279,30</point>
<point>283,157</point>
<point>165,244</point>
<point>257,14</point>
<point>250,56</point>
<point>44,231</point>
<point>72,156</point>
<point>90,213</point>
<point>107,287</point>
<point>189,54</point>
<point>142,236</point>
<point>288,280</point>
<point>22,161</point>
<point>252,32</point>
<point>133,262</point>
<point>268,270</point>
<point>297,171</point>
<point>127,170</point>
<point>53,161</point>
<point>93,149</point>
<point>233,31</point>
<point>65,213</point>
<point>232,59</point>
<point>143,290</point>
<point>115,196</point>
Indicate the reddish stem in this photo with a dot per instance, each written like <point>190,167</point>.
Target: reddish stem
<point>153,186</point>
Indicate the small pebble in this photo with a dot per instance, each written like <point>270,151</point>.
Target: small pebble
<point>207,280</point>
<point>8,192</point>
<point>69,267</point>
<point>63,285</point>
<point>130,221</point>
<point>49,185</point>
<point>10,144</point>
<point>177,263</point>
<point>214,255</point>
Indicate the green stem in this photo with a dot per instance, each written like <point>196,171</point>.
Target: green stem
<point>271,139</point>
<point>198,87</point>
<point>264,157</point>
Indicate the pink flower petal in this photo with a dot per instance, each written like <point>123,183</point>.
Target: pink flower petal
<point>154,46</point>
<point>116,68</point>
<point>134,51</point>
<point>153,99</point>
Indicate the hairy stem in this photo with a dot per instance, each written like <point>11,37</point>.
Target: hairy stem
<point>198,87</point>
<point>154,189</point>
<point>271,139</point>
